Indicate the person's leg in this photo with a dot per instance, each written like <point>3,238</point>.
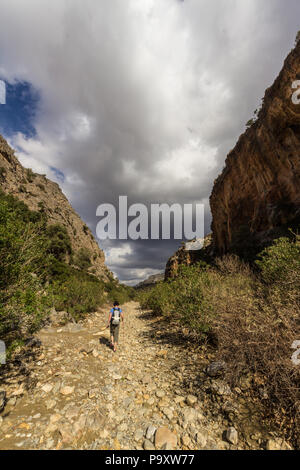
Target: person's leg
<point>112,335</point>
<point>116,337</point>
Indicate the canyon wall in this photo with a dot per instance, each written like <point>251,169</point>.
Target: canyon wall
<point>257,196</point>
<point>41,194</point>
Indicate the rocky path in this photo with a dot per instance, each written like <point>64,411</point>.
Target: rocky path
<point>79,394</point>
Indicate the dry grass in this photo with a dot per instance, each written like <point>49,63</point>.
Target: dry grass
<point>251,318</point>
<point>255,328</point>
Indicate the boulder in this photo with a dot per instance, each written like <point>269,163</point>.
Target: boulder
<point>33,343</point>
<point>277,444</point>
<point>232,435</point>
<point>148,445</point>
<point>214,369</point>
<point>219,387</point>
<point>150,432</point>
<point>165,438</point>
<point>201,439</point>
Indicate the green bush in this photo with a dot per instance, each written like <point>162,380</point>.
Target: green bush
<point>280,261</point>
<point>34,275</point>
<point>59,243</point>
<point>2,173</point>
<point>118,292</point>
<point>22,261</point>
<point>185,298</point>
<point>82,259</point>
<point>252,316</point>
<point>76,295</point>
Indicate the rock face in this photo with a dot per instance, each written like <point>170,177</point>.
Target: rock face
<point>258,193</point>
<point>186,257</point>
<point>41,194</point>
<point>150,281</point>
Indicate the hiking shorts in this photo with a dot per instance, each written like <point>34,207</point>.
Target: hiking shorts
<point>114,332</point>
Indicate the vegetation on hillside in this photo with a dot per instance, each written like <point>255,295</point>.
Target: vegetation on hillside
<point>36,274</point>
<point>250,315</point>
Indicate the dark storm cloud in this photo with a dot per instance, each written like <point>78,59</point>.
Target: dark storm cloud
<point>139,98</point>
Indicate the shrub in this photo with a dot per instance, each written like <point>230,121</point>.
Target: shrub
<point>34,275</point>
<point>82,259</point>
<point>185,298</point>
<point>59,243</point>
<point>265,320</point>
<point>2,173</point>
<point>76,295</point>
<point>279,266</point>
<point>253,317</point>
<point>30,175</point>
<point>21,254</point>
<point>118,292</point>
<point>22,189</point>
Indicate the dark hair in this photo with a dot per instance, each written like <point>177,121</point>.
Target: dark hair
<point>116,304</point>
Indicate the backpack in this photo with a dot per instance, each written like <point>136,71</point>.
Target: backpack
<point>116,315</point>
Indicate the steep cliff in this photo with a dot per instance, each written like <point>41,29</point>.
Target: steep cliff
<point>258,193</point>
<point>186,257</point>
<point>150,281</point>
<point>41,194</point>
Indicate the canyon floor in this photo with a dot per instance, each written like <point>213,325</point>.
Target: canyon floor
<point>74,392</point>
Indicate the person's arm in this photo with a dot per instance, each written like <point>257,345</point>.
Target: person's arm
<point>122,316</point>
<point>109,319</point>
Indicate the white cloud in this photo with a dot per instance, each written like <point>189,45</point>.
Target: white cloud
<point>117,255</point>
<point>143,98</point>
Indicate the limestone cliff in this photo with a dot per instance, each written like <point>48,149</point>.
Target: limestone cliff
<point>41,194</point>
<point>186,257</point>
<point>258,192</point>
<point>150,281</point>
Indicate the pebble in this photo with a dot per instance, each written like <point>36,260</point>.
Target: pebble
<point>134,399</point>
<point>164,437</point>
<point>47,388</point>
<point>191,400</point>
<point>67,390</point>
<point>148,445</point>
<point>232,435</point>
<point>150,432</point>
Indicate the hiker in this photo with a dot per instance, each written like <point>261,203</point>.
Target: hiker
<point>114,320</point>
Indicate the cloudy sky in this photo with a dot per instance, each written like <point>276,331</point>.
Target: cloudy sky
<point>142,98</point>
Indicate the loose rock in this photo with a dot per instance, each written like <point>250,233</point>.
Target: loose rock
<point>232,435</point>
<point>164,436</point>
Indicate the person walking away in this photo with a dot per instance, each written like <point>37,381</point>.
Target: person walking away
<point>114,320</point>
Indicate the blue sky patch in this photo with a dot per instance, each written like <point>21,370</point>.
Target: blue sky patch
<point>58,174</point>
<point>19,112</point>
